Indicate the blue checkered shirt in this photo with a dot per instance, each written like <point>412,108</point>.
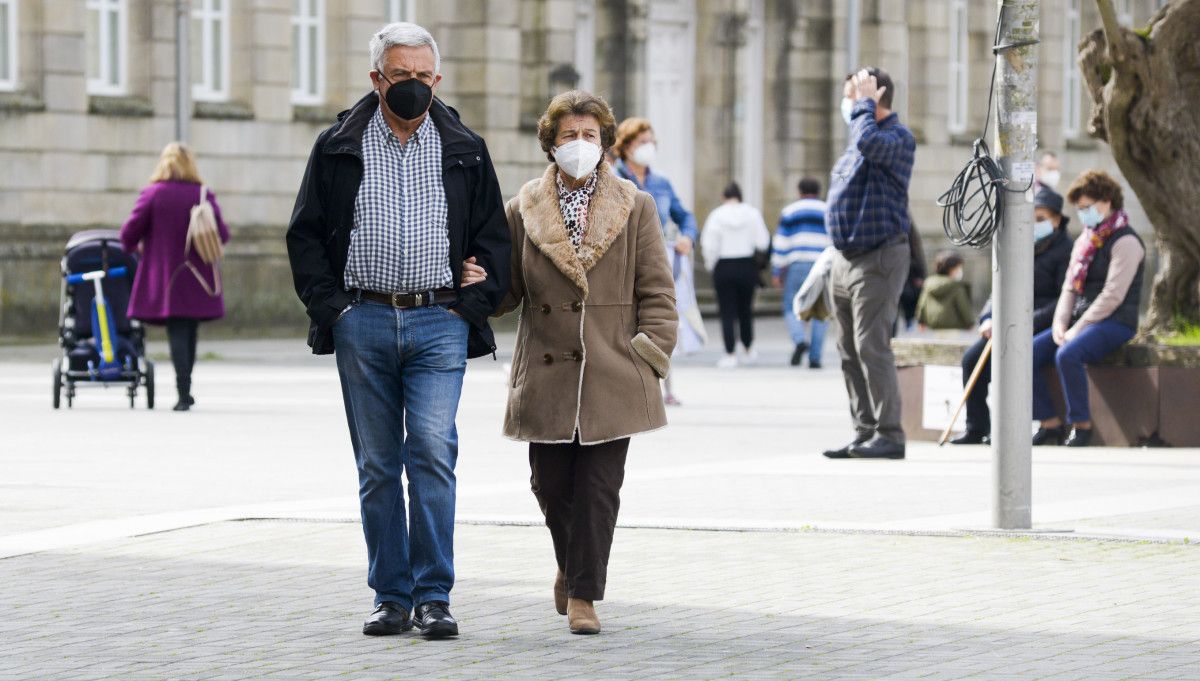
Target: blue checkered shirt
<point>868,193</point>
<point>400,241</point>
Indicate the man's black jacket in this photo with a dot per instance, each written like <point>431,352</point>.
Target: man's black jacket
<point>318,237</point>
<point>1051,262</point>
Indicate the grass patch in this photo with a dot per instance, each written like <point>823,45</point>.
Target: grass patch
<point>1186,334</point>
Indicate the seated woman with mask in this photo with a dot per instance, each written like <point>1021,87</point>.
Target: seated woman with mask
<point>1097,311</point>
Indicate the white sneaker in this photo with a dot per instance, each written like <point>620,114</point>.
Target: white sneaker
<point>749,357</point>
<point>727,362</point>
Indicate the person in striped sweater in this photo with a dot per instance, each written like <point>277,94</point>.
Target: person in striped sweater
<point>797,244</point>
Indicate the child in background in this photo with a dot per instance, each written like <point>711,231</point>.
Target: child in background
<point>945,301</point>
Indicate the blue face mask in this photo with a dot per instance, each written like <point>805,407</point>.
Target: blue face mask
<point>847,109</point>
<point>1042,229</point>
<point>1090,216</point>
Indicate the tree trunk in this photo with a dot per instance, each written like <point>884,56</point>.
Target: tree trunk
<point>1145,90</point>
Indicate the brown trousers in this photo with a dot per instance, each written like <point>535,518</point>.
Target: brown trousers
<point>579,490</point>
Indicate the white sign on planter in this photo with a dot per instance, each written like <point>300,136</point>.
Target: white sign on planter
<point>943,391</point>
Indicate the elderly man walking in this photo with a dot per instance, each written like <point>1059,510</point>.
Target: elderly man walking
<point>869,223</point>
<point>400,251</point>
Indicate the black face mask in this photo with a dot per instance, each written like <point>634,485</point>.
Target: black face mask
<point>408,99</point>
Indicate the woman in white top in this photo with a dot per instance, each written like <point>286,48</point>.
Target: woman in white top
<point>733,233</point>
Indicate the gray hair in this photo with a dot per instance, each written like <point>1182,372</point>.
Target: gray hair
<point>403,34</point>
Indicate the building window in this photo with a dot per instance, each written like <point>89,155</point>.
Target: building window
<point>585,44</point>
<point>8,44</point>
<point>210,50</point>
<point>308,48</point>
<point>1072,92</point>
<point>106,46</point>
<point>1125,13</point>
<point>959,66</point>
<point>401,10</point>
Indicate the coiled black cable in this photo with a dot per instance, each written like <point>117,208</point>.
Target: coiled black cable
<point>972,209</point>
<point>973,206</point>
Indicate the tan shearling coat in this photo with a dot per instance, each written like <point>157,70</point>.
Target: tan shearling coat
<point>597,326</point>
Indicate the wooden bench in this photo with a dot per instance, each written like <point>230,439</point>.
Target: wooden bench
<point>1140,395</point>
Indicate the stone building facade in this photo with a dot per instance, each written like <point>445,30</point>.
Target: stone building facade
<point>737,89</point>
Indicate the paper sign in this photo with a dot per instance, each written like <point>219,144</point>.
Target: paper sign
<point>943,391</point>
<point>1023,172</point>
<point>1023,118</point>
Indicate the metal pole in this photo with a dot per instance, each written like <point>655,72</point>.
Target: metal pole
<point>183,70</point>
<point>1012,268</point>
<point>853,22</point>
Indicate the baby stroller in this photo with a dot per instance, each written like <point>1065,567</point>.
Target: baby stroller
<point>100,345</point>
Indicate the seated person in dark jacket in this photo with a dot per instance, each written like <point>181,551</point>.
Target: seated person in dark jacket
<point>1097,311</point>
<point>1051,258</point>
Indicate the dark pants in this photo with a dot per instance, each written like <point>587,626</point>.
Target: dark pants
<point>579,490</point>
<point>181,336</point>
<point>735,280</point>
<point>1092,345</point>
<point>979,418</point>
<point>866,296</point>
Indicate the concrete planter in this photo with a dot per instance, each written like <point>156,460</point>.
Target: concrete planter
<point>1142,395</point>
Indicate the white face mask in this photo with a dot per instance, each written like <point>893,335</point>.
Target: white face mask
<point>578,158</point>
<point>847,109</point>
<point>1051,178</point>
<point>645,154</point>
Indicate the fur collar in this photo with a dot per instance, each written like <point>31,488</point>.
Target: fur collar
<point>608,213</point>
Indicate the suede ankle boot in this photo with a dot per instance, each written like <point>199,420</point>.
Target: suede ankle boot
<point>581,617</point>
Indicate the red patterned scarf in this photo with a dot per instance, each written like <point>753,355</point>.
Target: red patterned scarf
<point>1095,239</point>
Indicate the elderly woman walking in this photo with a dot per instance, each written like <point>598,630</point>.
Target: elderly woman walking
<point>173,285</point>
<point>597,328</point>
<point>636,149</point>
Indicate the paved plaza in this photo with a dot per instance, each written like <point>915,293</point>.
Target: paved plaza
<point>223,543</point>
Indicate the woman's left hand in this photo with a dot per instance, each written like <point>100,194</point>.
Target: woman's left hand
<point>472,273</point>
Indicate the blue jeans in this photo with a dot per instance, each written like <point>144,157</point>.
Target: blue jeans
<point>402,374</point>
<point>792,281</point>
<point>1092,345</point>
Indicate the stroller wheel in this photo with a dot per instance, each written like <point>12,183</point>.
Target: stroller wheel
<point>149,384</point>
<point>58,382</point>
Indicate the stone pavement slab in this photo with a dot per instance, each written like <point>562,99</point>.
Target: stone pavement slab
<point>285,600</point>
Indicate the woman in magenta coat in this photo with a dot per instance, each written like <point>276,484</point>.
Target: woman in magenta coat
<point>170,287</point>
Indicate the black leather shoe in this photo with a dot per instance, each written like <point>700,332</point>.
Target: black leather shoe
<point>969,438</point>
<point>814,365</point>
<point>387,620</point>
<point>798,353</point>
<point>878,448</point>
<point>844,452</point>
<point>1080,437</point>
<point>434,621</point>
<point>1048,436</point>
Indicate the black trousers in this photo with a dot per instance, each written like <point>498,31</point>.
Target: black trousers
<point>579,490</point>
<point>181,335</point>
<point>735,280</point>
<point>979,418</point>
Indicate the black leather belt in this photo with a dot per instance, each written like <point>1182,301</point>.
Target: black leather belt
<point>439,297</point>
